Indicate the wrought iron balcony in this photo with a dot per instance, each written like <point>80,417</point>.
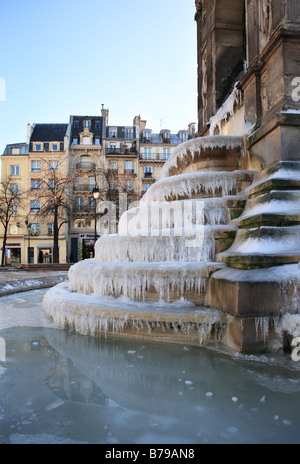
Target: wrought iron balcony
<point>86,166</point>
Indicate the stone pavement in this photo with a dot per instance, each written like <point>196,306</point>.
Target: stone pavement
<point>16,281</point>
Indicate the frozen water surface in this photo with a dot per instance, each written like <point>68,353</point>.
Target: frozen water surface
<point>60,387</point>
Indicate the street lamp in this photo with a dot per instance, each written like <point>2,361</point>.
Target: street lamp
<point>96,195</point>
<point>28,225</point>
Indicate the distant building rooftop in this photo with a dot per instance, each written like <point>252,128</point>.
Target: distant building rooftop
<point>16,149</point>
<point>49,133</point>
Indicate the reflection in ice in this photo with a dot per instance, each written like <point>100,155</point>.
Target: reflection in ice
<point>61,387</point>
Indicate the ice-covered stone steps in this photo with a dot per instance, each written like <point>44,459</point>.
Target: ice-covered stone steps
<point>200,244</point>
<point>263,247</point>
<point>143,281</point>
<point>278,207</point>
<point>282,175</point>
<point>212,153</point>
<point>200,185</point>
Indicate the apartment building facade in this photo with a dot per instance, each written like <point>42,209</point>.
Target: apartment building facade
<point>14,169</point>
<point>47,174</point>
<point>106,169</point>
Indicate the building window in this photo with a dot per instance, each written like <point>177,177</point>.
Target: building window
<point>128,133</point>
<point>14,188</point>
<point>35,206</point>
<point>166,153</point>
<point>112,132</point>
<point>35,229</point>
<point>16,151</point>
<point>75,141</point>
<point>79,223</point>
<point>97,125</point>
<point>91,203</point>
<point>113,167</point>
<point>147,135</point>
<point>54,147</point>
<point>148,171</point>
<point>35,166</point>
<point>50,229</point>
<point>87,123</point>
<point>97,141</point>
<point>53,166</point>
<point>38,147</point>
<point>183,137</point>
<point>53,184</point>
<point>76,125</point>
<point>128,167</point>
<point>147,153</point>
<point>15,171</point>
<point>129,186</point>
<point>79,204</point>
<point>147,186</point>
<point>51,207</point>
<point>35,184</point>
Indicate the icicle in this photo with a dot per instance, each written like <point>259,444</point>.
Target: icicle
<point>198,145</point>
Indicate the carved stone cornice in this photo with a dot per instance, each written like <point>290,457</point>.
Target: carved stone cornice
<point>198,13</point>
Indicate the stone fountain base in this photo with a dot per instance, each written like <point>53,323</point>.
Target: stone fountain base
<point>177,322</point>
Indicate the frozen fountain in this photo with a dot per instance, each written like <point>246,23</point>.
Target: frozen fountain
<point>178,269</point>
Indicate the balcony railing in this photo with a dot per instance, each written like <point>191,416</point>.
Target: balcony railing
<point>120,150</point>
<point>86,166</point>
<point>84,187</point>
<point>154,157</point>
<point>148,175</point>
<point>129,171</point>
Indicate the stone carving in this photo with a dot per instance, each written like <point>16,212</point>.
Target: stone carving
<point>204,87</point>
<point>265,21</point>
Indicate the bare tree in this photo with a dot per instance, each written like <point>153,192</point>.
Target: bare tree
<point>56,200</point>
<point>117,189</point>
<point>10,200</point>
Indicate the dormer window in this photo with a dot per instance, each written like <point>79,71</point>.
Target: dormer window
<point>165,135</point>
<point>183,135</point>
<point>128,133</point>
<point>112,132</point>
<point>38,147</point>
<point>87,124</point>
<point>147,134</point>
<point>76,125</point>
<point>54,147</point>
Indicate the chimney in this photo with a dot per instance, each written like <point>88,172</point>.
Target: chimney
<point>105,114</point>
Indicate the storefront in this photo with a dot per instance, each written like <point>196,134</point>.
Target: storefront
<point>86,245</point>
<point>13,254</point>
<point>45,253</point>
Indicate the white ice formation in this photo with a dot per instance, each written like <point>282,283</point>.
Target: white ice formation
<point>154,275</point>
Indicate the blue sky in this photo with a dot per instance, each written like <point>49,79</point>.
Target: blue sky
<point>69,57</point>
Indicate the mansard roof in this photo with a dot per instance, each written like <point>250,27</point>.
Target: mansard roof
<point>49,133</point>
